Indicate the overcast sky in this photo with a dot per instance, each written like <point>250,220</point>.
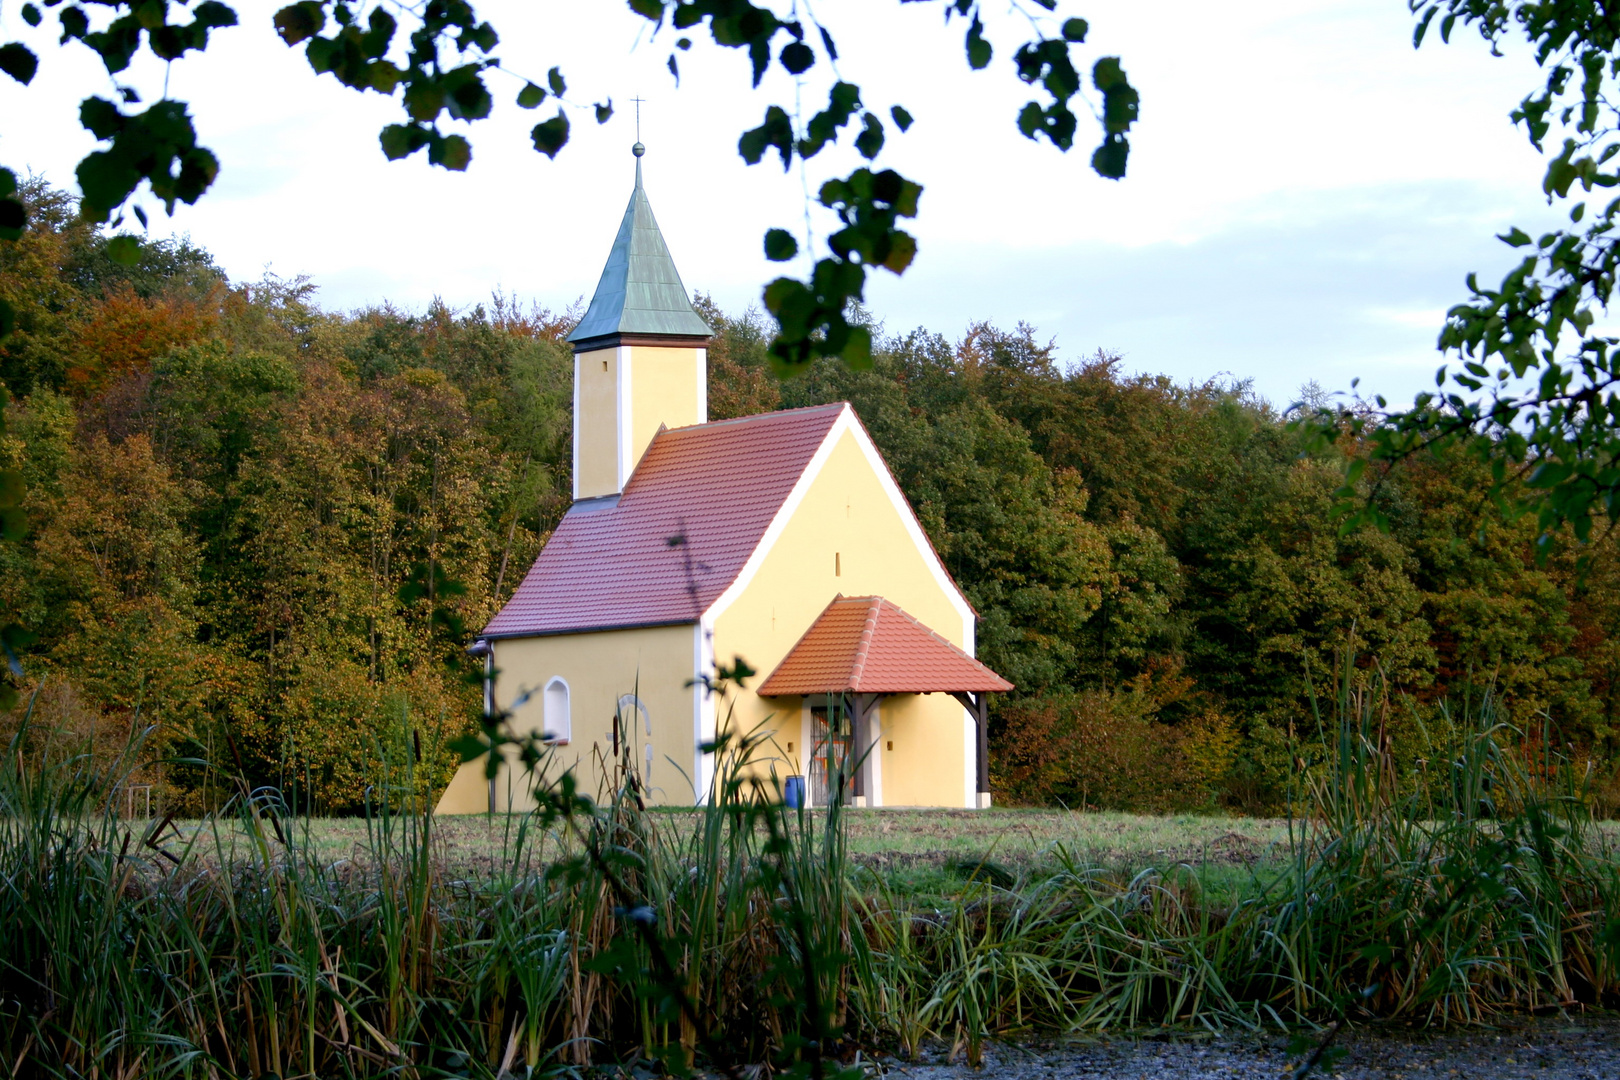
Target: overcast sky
<point>1306,192</point>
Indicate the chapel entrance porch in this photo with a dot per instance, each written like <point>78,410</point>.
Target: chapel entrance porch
<point>859,652</point>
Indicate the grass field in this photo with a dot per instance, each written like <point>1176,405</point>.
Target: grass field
<point>743,933</point>
<point>921,854</point>
<point>916,852</point>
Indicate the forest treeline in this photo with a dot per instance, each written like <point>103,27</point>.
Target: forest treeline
<point>268,530</point>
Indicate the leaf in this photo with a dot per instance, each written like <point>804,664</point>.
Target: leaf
<point>1107,73</point>
<point>797,57</point>
<point>1109,159</point>
<point>469,99</point>
<point>1075,30</point>
<point>451,152</point>
<point>604,112</point>
<point>401,140</point>
<point>30,14</point>
<point>674,68</point>
<point>100,117</point>
<point>13,218</point>
<point>978,49</point>
<point>213,15</point>
<point>123,249</point>
<point>75,23</point>
<point>1515,237</point>
<point>530,96</point>
<point>483,36</point>
<point>780,246</point>
<point>1030,119</point>
<point>550,135</point>
<point>299,22</point>
<point>902,250</point>
<point>870,141</point>
<point>857,352</point>
<point>777,131</point>
<point>468,747</point>
<point>651,10</point>
<point>827,42</point>
<point>555,80</point>
<point>19,62</point>
<point>424,100</point>
<point>902,119</point>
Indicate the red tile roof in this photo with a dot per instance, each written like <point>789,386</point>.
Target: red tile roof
<point>717,485</point>
<point>867,645</point>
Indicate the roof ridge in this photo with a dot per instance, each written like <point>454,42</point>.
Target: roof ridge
<point>855,651</point>
<point>839,405</point>
<point>665,430</point>
<point>874,608</point>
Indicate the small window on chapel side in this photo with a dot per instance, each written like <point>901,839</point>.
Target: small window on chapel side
<point>559,726</point>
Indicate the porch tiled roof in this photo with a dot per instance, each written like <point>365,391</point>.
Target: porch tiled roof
<point>866,645</point>
<point>715,486</point>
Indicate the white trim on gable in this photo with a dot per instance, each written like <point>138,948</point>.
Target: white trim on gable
<point>914,528</point>
<point>847,422</point>
<point>779,523</point>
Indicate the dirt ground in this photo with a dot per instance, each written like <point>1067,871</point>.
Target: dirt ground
<point>1580,1047</point>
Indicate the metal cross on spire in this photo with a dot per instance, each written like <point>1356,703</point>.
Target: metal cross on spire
<point>638,102</point>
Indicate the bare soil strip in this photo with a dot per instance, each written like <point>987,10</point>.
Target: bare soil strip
<point>1556,1048</point>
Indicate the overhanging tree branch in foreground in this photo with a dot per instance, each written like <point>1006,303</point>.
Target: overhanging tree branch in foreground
<point>440,57</point>
<point>1533,389</point>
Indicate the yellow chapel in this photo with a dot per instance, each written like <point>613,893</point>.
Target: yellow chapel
<point>780,538</point>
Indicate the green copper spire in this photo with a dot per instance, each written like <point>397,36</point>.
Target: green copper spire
<point>640,291</point>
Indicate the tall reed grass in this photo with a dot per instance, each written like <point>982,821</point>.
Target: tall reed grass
<point>1472,885</point>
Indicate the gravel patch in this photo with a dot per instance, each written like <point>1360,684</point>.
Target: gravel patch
<point>1570,1048</point>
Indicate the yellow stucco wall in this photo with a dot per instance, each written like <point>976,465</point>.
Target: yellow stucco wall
<point>848,537</point>
<point>665,388</point>
<point>596,424</point>
<point>654,663</point>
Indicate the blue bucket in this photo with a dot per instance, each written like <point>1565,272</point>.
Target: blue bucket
<point>793,792</point>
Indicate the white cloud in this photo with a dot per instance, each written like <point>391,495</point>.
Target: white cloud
<point>1305,189</point>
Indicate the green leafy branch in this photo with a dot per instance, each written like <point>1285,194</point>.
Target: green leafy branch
<point>1533,388</point>
<point>157,145</point>
<point>440,68</point>
<point>812,313</point>
<point>442,73</point>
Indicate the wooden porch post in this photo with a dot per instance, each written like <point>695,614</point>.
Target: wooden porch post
<point>860,744</point>
<point>979,705</point>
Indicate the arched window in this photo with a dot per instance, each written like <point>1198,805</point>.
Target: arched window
<point>559,725</point>
<point>633,714</point>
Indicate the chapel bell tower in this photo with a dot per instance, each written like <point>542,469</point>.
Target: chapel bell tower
<point>640,355</point>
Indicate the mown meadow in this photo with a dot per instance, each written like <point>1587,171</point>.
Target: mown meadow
<point>599,933</point>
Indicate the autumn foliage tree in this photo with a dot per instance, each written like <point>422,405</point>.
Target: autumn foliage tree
<point>268,531</point>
